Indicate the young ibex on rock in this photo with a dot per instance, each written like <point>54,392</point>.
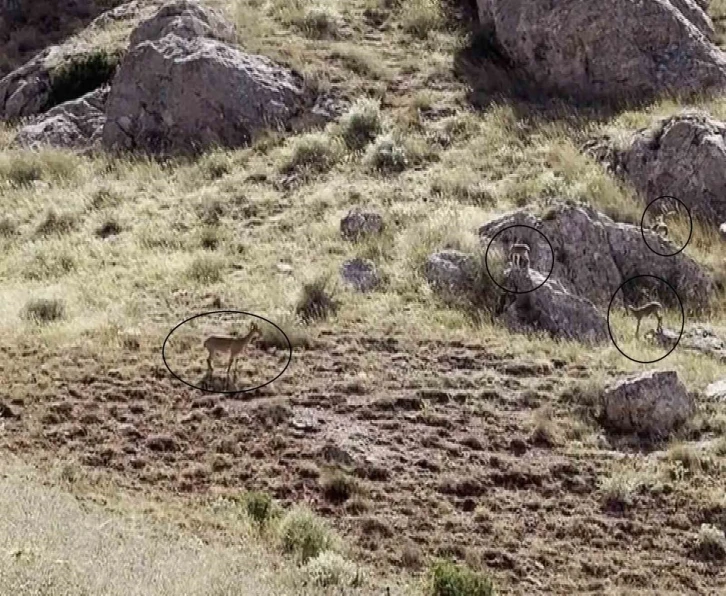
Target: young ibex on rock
<point>519,256</point>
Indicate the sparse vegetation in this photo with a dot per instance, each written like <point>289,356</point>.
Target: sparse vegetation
<point>331,569</point>
<point>44,310</point>
<point>259,507</point>
<point>711,543</point>
<point>317,301</point>
<point>80,75</point>
<point>450,579</point>
<point>305,536</point>
<point>338,486</point>
<point>361,124</point>
<point>314,153</point>
<point>387,155</point>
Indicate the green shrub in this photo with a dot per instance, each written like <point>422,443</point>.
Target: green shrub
<point>361,125</point>
<point>318,22</point>
<point>331,569</point>
<point>304,535</point>
<point>81,75</point>
<point>44,310</point>
<point>206,269</point>
<point>387,155</point>
<point>8,227</point>
<point>421,16</point>
<point>259,507</point>
<point>313,153</point>
<point>317,302</point>
<point>450,579</point>
<point>338,487</point>
<point>55,223</point>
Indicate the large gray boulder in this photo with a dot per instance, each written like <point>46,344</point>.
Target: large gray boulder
<point>552,309</point>
<point>653,404</point>
<point>180,96</point>
<point>186,19</point>
<point>683,156</point>
<point>594,255</point>
<point>74,125</point>
<point>612,50</point>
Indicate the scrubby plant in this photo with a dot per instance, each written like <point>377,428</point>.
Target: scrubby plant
<point>317,301</point>
<point>361,124</point>
<point>449,579</point>
<point>330,569</point>
<point>338,486</point>
<point>313,153</point>
<point>304,535</point>
<point>318,22</point>
<point>55,223</point>
<point>44,310</point>
<point>259,507</point>
<point>206,268</point>
<point>711,543</point>
<point>387,155</point>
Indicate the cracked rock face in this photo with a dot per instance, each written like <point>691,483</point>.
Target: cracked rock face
<point>551,308</point>
<point>186,19</point>
<point>612,50</point>
<point>653,404</point>
<point>181,96</point>
<point>594,255</point>
<point>74,124</point>
<point>683,156</point>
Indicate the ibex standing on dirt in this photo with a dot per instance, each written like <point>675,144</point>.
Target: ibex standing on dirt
<point>233,345</point>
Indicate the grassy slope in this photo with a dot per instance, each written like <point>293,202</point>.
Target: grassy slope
<point>464,167</point>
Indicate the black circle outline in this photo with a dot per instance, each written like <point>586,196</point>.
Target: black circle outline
<point>683,318</point>
<point>690,221</point>
<point>486,260</point>
<point>238,312</point>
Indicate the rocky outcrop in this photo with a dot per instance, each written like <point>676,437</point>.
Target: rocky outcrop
<point>452,273</point>
<point>187,19</point>
<point>552,309</point>
<point>360,274</point>
<point>26,91</point>
<point>75,124</point>
<point>359,223</point>
<point>181,96</point>
<point>129,11</point>
<point>683,156</point>
<point>594,255</point>
<point>695,339</point>
<point>653,404</point>
<point>613,50</point>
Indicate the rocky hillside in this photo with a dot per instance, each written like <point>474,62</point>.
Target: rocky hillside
<point>483,244</point>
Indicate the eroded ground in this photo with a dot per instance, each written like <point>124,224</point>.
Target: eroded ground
<point>442,442</point>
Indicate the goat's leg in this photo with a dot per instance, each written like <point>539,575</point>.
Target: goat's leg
<point>637,329</point>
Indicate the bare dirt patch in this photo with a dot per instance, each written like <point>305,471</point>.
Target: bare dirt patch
<point>405,443</point>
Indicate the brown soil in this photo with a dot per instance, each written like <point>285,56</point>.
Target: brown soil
<point>436,439</point>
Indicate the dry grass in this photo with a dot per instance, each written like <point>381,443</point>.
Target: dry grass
<point>51,541</point>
